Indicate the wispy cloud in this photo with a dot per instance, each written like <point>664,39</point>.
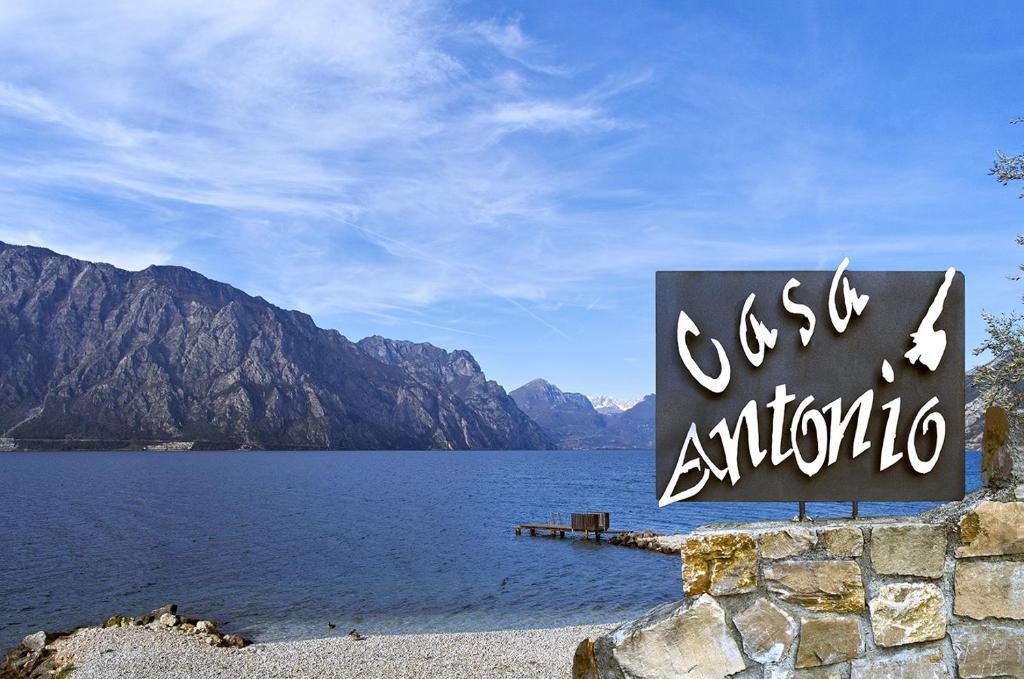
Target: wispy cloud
<point>508,38</point>
<point>355,120</point>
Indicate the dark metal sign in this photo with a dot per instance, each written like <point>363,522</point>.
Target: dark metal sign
<point>810,385</point>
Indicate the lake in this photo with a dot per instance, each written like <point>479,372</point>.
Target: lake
<point>275,544</point>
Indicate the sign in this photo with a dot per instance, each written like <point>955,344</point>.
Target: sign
<point>810,385</point>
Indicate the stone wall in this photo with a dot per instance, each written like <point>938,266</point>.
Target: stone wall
<point>935,595</point>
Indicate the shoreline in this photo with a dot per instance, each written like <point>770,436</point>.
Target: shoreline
<point>162,645</point>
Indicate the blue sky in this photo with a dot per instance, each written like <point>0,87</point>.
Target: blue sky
<point>507,178</point>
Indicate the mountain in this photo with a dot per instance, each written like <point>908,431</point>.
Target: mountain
<point>570,419</point>
<point>607,405</point>
<point>95,356</point>
<point>634,427</point>
<point>458,376</point>
<point>573,422</point>
<point>974,414</point>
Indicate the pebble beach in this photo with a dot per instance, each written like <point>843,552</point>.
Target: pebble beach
<point>164,654</point>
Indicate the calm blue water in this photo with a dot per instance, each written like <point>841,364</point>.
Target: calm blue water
<point>275,544</point>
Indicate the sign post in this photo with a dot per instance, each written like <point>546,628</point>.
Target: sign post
<point>810,386</point>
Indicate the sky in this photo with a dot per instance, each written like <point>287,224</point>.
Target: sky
<point>506,178</point>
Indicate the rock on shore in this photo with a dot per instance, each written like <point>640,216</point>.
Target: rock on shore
<point>44,655</point>
<point>649,540</point>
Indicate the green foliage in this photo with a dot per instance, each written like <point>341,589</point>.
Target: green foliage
<point>1000,381</point>
<point>1008,168</point>
<point>65,671</point>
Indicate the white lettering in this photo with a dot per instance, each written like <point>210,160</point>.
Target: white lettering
<point>778,407</point>
<point>684,466</point>
<point>747,421</point>
<point>919,466</point>
<point>803,419</point>
<point>929,343</point>
<point>889,458</point>
<point>718,384</point>
<point>853,303</point>
<point>764,336</point>
<point>887,372</point>
<point>840,423</point>
<point>799,310</point>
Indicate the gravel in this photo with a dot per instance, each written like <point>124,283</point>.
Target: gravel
<point>145,652</point>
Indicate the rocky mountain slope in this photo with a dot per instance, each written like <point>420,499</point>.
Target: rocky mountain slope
<point>573,422</point>
<point>94,356</point>
<point>974,414</point>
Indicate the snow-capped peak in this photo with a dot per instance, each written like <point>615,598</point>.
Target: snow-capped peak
<point>608,404</point>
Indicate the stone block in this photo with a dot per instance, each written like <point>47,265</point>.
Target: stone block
<point>909,549</point>
<point>826,586</point>
<point>686,641</point>
<point>767,631</point>
<point>779,544</point>
<point>844,542</point>
<point>35,642</point>
<point>989,589</point>
<point>719,564</point>
<point>604,656</point>
<point>828,640</point>
<point>930,664</point>
<point>908,613</point>
<point>584,662</point>
<point>992,529</point>
<point>206,627</point>
<point>989,650</point>
<point>830,672</point>
<point>997,451</point>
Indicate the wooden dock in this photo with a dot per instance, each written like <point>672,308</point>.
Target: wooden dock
<point>553,530</point>
<point>589,523</point>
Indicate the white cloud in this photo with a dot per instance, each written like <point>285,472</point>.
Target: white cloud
<point>508,38</point>
<point>545,116</point>
<point>505,36</point>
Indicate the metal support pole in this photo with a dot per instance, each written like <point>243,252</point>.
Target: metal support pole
<point>803,511</point>
<point>856,509</point>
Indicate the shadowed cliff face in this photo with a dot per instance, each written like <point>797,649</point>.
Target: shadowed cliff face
<point>458,379</point>
<point>90,351</point>
<point>573,422</point>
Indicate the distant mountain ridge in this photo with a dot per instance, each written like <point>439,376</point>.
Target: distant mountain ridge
<point>574,423</point>
<point>91,354</point>
<point>577,422</point>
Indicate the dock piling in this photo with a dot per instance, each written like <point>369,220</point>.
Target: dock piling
<point>593,523</point>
